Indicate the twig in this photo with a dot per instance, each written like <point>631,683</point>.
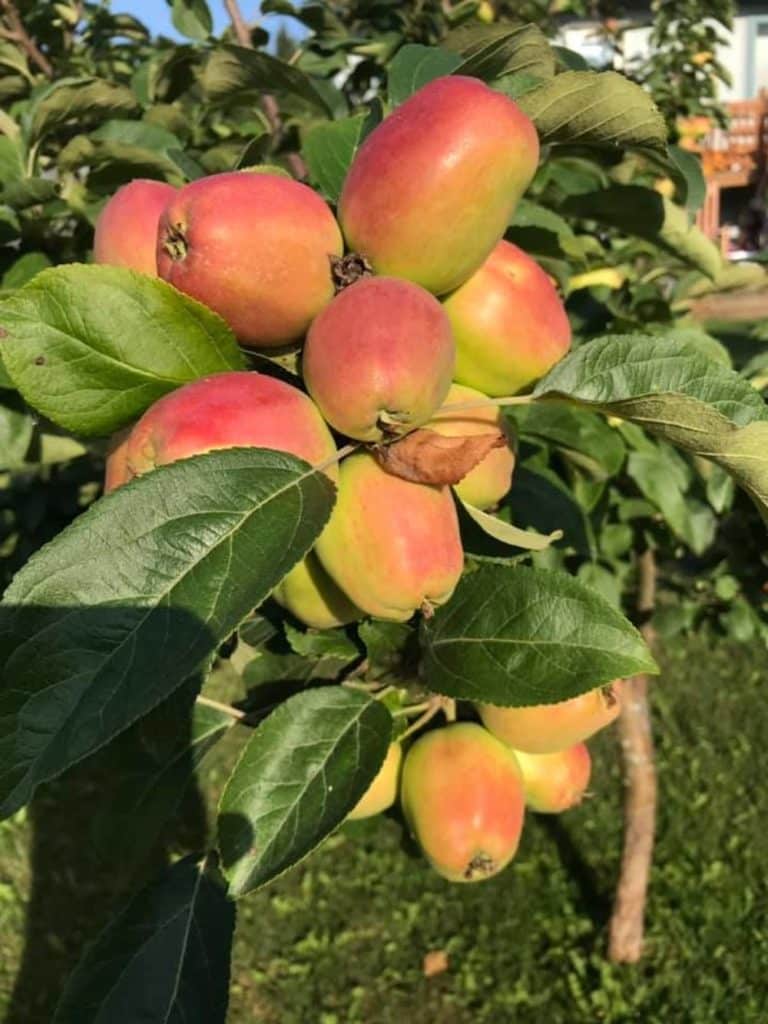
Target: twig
<point>227,709</point>
<point>16,33</point>
<point>242,33</point>
<point>628,919</point>
<point>488,403</point>
<point>268,102</point>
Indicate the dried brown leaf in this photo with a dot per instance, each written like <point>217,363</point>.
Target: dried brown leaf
<point>426,457</point>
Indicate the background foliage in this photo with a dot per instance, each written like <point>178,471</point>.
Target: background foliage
<point>94,102</point>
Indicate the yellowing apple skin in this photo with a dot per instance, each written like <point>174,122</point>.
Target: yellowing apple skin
<point>126,230</point>
<point>255,248</point>
<point>391,545</point>
<point>555,782</point>
<point>433,187</point>
<point>547,728</point>
<point>309,593</point>
<point>509,324</point>
<point>462,797</point>
<point>382,792</point>
<point>379,358</point>
<point>486,484</point>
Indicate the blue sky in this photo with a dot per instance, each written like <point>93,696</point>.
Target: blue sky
<point>156,14</point>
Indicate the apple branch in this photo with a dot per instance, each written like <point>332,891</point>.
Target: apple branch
<point>628,919</point>
<point>12,29</point>
<point>268,102</point>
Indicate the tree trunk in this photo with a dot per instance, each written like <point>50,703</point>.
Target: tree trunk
<point>628,920</point>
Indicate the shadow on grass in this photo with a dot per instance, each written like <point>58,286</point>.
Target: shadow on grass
<point>111,823</point>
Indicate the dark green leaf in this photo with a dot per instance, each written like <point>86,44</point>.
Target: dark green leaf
<point>132,598</point>
<point>91,347</point>
<point>84,100</point>
<point>414,66</point>
<point>302,772</point>
<point>192,18</point>
<point>517,636</point>
<point>321,643</point>
<point>643,212</point>
<point>329,147</point>
<point>493,51</point>
<point>164,960</point>
<point>597,108</point>
<point>26,192</point>
<point>231,69</point>
<point>584,435</point>
<point>25,268</point>
<point>167,747</point>
<point>673,390</point>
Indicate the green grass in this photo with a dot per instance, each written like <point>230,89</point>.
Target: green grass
<point>341,940</point>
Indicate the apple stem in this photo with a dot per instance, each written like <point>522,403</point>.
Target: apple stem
<point>226,709</point>
<point>488,403</point>
<point>412,709</point>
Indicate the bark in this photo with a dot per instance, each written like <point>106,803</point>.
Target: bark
<point>628,919</point>
<point>12,28</point>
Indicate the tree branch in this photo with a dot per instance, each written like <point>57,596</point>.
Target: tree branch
<point>242,32</point>
<point>268,102</point>
<point>16,33</point>
<point>628,919</point>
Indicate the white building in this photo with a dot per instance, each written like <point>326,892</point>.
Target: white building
<point>745,54</point>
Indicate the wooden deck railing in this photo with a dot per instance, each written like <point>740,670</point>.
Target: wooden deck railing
<point>732,157</point>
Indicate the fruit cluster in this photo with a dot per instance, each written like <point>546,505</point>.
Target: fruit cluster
<point>414,318</point>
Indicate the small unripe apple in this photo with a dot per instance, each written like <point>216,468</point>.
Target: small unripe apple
<point>486,484</point>
<point>463,799</point>
<point>379,359</point>
<point>225,410</point>
<point>555,782</point>
<point>392,546</point>
<point>309,593</point>
<point>509,324</point>
<point>256,249</point>
<point>546,728</point>
<point>433,187</point>
<point>382,792</point>
<point>126,230</point>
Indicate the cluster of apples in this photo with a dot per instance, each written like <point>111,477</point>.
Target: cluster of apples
<point>464,788</point>
<point>413,316</point>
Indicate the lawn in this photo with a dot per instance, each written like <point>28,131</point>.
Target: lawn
<point>342,939</point>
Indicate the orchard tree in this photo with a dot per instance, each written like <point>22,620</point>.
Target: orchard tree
<point>309,319</point>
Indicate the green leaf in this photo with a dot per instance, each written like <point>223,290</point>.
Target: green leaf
<point>414,66</point>
<point>664,479</point>
<point>11,160</point>
<point>643,212</point>
<point>517,636</point>
<point>24,269</point>
<point>495,51</point>
<point>329,147</point>
<point>597,108</point>
<point>165,959</point>
<point>674,391</point>
<point>16,430</point>
<point>27,192</point>
<point>540,500</point>
<point>580,435</point>
<point>231,69</point>
<point>387,645</point>
<point>275,667</point>
<point>303,771</point>
<point>321,643</point>
<point>91,347</point>
<point>132,598</point>
<point>506,533</point>
<point>166,749</point>
<point>192,18</point>
<point>84,100</point>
